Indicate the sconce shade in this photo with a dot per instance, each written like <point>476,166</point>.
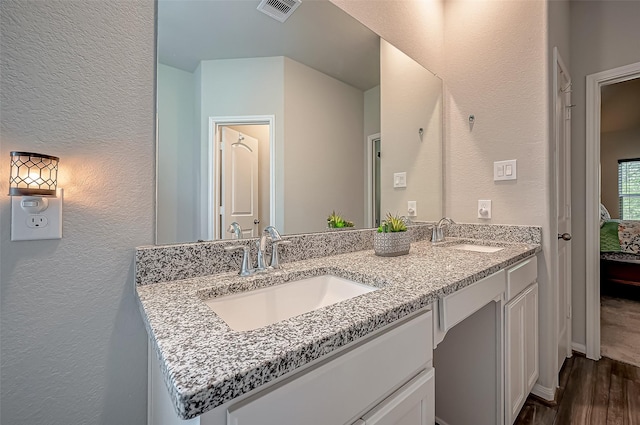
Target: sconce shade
<point>33,174</point>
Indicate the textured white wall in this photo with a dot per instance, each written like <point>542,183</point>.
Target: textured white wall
<point>497,69</point>
<point>178,150</point>
<point>78,82</point>
<point>604,35</point>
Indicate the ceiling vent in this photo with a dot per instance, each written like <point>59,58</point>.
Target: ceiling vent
<point>279,10</point>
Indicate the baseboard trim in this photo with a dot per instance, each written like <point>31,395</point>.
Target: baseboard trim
<point>580,348</point>
<point>440,421</point>
<point>544,393</point>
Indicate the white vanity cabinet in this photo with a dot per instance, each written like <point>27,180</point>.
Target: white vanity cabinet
<point>385,379</point>
<point>411,405</point>
<point>486,339</point>
<point>521,336</point>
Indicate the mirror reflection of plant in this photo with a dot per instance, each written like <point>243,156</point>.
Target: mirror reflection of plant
<point>335,221</point>
<point>392,224</point>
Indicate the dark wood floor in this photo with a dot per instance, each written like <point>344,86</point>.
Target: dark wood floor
<point>606,392</point>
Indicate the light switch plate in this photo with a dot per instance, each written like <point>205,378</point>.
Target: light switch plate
<point>400,179</point>
<point>43,225</point>
<point>505,170</point>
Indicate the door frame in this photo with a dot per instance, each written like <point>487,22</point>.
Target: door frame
<point>594,83</point>
<point>369,200</point>
<point>209,176</point>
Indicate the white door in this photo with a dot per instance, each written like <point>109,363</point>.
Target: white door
<point>239,183</point>
<point>563,203</point>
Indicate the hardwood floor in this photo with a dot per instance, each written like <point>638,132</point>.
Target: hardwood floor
<point>606,392</point>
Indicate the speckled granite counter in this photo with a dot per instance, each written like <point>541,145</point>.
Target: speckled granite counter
<point>206,364</point>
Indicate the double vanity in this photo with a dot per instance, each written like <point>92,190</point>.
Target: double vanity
<point>340,335</point>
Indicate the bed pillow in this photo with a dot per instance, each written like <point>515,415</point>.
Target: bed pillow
<point>604,215</point>
<point>609,241</point>
<point>629,235</point>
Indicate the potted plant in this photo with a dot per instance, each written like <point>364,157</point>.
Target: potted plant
<point>334,221</point>
<point>392,238</point>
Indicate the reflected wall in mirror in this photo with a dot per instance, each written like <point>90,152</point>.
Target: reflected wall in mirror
<point>263,122</point>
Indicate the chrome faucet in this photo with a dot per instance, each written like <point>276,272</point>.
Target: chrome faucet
<point>276,240</point>
<point>262,245</point>
<point>235,229</point>
<point>269,232</point>
<point>245,270</point>
<point>437,235</point>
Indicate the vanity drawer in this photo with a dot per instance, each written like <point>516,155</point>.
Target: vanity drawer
<point>520,276</point>
<point>344,386</point>
<point>456,307</point>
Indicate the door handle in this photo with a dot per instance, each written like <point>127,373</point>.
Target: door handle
<point>564,236</point>
<point>256,221</point>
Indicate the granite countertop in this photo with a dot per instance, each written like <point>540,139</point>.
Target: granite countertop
<point>205,363</point>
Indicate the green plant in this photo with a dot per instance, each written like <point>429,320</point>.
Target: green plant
<point>392,224</point>
<point>334,221</point>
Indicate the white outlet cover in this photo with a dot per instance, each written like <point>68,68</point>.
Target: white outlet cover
<point>412,209</point>
<point>22,222</point>
<point>484,209</point>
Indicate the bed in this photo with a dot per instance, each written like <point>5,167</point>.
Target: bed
<point>619,251</point>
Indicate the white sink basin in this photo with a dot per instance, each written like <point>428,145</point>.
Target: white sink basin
<point>255,309</point>
<point>476,248</point>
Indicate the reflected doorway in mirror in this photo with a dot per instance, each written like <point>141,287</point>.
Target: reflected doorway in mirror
<point>239,175</point>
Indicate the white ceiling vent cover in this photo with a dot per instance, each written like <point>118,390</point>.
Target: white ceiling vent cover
<point>279,10</point>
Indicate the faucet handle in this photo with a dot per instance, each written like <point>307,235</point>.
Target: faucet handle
<point>235,229</point>
<point>245,270</point>
<point>275,257</point>
<point>261,245</point>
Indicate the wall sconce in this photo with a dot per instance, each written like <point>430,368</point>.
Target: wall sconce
<point>36,202</point>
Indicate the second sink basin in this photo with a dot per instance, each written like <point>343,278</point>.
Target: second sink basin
<point>254,309</point>
<point>476,248</point>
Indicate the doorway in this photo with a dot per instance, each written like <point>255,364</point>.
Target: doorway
<point>372,199</point>
<point>595,83</point>
<point>240,177</point>
<point>619,187</point>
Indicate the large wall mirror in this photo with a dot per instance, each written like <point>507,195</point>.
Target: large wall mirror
<point>263,122</point>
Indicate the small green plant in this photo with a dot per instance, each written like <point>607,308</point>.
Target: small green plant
<point>334,221</point>
<point>392,224</point>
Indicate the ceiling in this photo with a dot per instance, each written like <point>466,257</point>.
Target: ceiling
<point>620,110</point>
<point>317,34</point>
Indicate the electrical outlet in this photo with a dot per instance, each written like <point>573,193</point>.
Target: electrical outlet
<point>35,221</point>
<point>484,209</point>
<point>412,209</point>
<point>45,224</point>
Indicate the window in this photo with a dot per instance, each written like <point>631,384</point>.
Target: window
<point>629,188</point>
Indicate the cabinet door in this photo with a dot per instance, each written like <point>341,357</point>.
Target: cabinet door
<point>531,337</point>
<point>344,385</point>
<point>413,404</point>
<point>515,392</point>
